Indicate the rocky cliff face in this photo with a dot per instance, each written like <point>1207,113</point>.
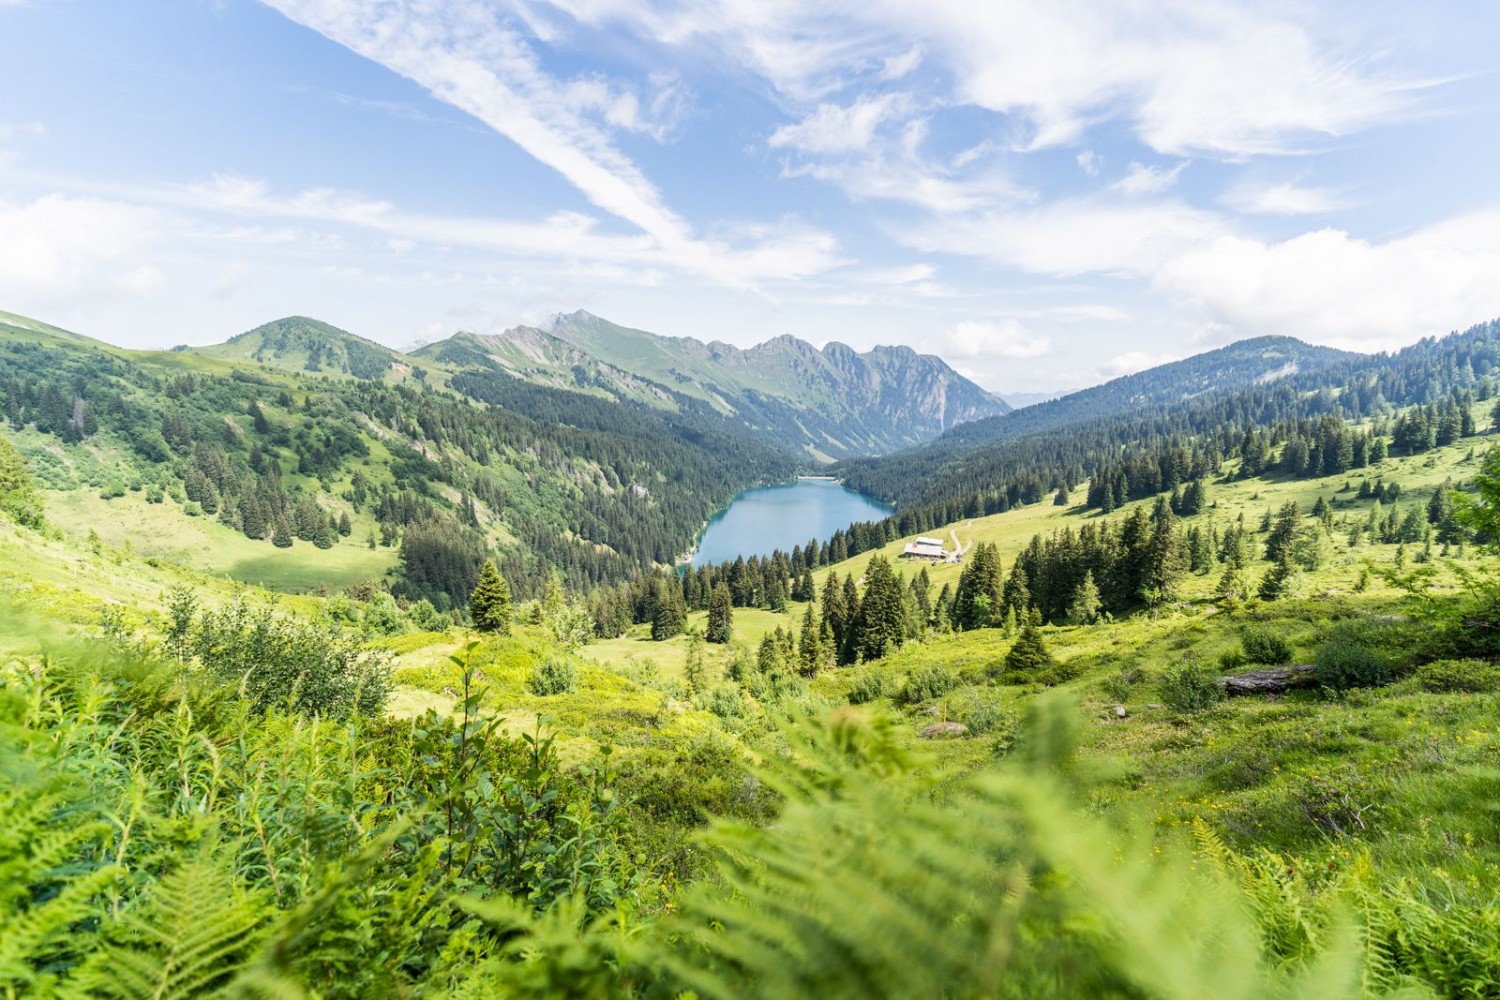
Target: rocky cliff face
<point>833,402</point>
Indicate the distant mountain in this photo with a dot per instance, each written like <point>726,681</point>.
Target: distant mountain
<point>1246,362</point>
<point>829,403</point>
<point>300,344</point>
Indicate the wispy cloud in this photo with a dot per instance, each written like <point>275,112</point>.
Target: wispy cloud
<point>1284,199</point>
<point>1141,180</point>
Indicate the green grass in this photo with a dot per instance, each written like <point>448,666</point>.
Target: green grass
<point>162,531</point>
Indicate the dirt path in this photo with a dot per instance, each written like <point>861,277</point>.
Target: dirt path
<point>959,548</point>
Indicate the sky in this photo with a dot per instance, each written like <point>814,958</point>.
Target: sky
<point>1047,195</point>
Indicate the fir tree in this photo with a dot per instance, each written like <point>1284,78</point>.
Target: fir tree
<point>1028,658</point>
<point>281,537</point>
<point>489,604</point>
<point>810,645</point>
<point>1084,608</point>
<point>882,611</point>
<point>694,669</point>
<point>721,615</point>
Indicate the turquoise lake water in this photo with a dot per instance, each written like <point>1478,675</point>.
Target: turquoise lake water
<point>762,520</point>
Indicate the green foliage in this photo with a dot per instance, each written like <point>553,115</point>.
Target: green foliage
<point>1262,644</point>
<point>19,498</point>
<point>720,615</point>
<point>868,684</point>
<point>278,661</point>
<point>489,603</point>
<point>554,675</point>
<point>922,684</point>
<point>1189,687</point>
<point>1028,658</point>
<point>1467,676</point>
<point>1344,660</point>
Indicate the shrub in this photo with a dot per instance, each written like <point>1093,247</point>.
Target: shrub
<point>866,685</point>
<point>1121,684</point>
<point>554,675</point>
<point>725,701</point>
<point>1471,676</point>
<point>982,711</point>
<point>926,682</point>
<point>1343,661</point>
<point>1262,645</point>
<point>1190,688</point>
<point>1232,659</point>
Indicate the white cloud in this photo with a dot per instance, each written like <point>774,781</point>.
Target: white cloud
<point>1133,361</point>
<point>1228,77</point>
<point>1141,180</point>
<point>1076,236</point>
<point>1283,199</point>
<point>1004,338</point>
<point>897,66</point>
<point>834,128</point>
<point>1333,288</point>
<point>58,247</point>
<point>1089,162</point>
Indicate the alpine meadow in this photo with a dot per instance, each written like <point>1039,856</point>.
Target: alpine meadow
<point>380,655</point>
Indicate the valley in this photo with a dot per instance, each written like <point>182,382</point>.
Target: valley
<point>1062,682</point>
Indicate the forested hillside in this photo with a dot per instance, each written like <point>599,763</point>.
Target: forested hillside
<point>319,439</point>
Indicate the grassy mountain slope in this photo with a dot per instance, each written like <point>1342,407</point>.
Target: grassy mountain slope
<point>300,344</point>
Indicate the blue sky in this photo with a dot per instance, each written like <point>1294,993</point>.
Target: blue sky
<point>1045,194</point>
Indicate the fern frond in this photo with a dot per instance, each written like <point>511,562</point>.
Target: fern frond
<point>188,937</point>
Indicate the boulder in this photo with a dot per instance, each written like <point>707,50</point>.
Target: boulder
<point>944,730</point>
<point>1268,680</point>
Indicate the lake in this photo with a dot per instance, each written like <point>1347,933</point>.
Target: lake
<point>760,521</point>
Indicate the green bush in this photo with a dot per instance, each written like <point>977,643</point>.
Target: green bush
<point>867,685</point>
<point>554,675</point>
<point>1344,661</point>
<point>1232,659</point>
<point>1470,676</point>
<point>1263,645</point>
<point>1190,688</point>
<point>926,682</point>
<point>982,711</point>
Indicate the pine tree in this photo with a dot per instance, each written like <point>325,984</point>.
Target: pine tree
<point>1084,608</point>
<point>810,645</point>
<point>489,604</point>
<point>1028,658</point>
<point>282,536</point>
<point>882,611</point>
<point>252,520</point>
<point>721,614</point>
<point>345,525</point>
<point>1278,581</point>
<point>669,615</point>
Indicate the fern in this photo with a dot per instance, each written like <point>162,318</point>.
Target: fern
<point>51,882</point>
<point>187,937</point>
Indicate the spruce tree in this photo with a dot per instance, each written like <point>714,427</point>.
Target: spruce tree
<point>694,669</point>
<point>282,536</point>
<point>1028,658</point>
<point>1084,608</point>
<point>882,611</point>
<point>810,644</point>
<point>721,614</point>
<point>489,604</point>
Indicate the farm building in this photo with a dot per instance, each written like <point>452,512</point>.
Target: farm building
<point>924,548</point>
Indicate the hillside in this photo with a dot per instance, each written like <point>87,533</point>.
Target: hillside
<point>1258,361</point>
<point>299,344</point>
<point>1034,451</point>
<point>827,403</point>
<point>573,806</point>
<point>300,456</point>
